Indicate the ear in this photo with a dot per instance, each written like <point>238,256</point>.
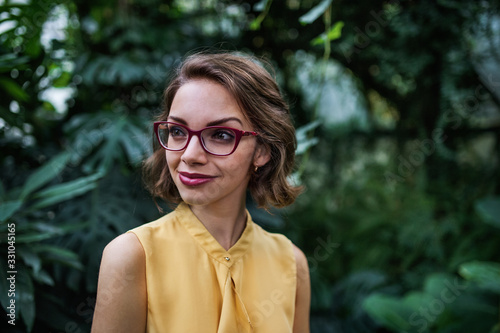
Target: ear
<point>262,155</point>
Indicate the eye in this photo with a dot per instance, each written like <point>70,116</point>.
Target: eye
<point>176,131</point>
<point>222,135</point>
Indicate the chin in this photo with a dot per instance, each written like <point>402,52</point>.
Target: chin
<point>195,200</point>
<point>200,196</point>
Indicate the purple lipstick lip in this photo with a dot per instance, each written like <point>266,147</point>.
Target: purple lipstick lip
<point>194,179</point>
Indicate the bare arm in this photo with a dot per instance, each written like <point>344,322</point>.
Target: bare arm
<point>303,296</point>
<point>121,304</point>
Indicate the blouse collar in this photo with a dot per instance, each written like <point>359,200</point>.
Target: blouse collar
<point>205,239</point>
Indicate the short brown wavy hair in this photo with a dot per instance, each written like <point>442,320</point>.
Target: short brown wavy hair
<point>260,99</point>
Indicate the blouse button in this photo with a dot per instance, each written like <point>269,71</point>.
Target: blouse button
<point>227,258</point>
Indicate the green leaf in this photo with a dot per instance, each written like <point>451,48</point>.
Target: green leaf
<point>10,61</point>
<point>44,278</point>
<point>58,254</point>
<point>132,144</point>
<point>255,24</point>
<point>31,259</point>
<point>315,12</point>
<point>415,300</point>
<point>62,81</point>
<point>435,283</point>
<point>302,131</point>
<point>103,160</point>
<point>4,283</point>
<point>25,298</point>
<point>485,274</point>
<point>33,47</point>
<point>45,174</point>
<point>334,33</point>
<point>8,208</point>
<point>14,90</point>
<point>304,142</point>
<point>261,5</point>
<point>43,231</point>
<point>304,145</point>
<point>489,210</point>
<point>91,68</point>
<point>65,191</point>
<point>388,311</point>
<point>48,106</point>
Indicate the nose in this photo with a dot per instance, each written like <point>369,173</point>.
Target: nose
<point>194,152</point>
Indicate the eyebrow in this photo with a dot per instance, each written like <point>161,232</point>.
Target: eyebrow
<point>212,123</point>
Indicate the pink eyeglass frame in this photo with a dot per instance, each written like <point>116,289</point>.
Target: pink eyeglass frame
<point>237,132</point>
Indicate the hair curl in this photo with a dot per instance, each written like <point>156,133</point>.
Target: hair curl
<point>260,99</point>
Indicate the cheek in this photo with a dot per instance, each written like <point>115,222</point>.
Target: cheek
<point>240,163</point>
<point>172,159</point>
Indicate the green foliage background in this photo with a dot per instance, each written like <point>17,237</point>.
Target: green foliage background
<point>397,105</point>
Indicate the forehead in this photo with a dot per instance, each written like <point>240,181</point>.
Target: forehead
<point>201,101</point>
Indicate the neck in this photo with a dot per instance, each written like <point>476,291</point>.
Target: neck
<point>225,224</point>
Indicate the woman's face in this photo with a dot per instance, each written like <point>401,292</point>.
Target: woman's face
<point>205,179</point>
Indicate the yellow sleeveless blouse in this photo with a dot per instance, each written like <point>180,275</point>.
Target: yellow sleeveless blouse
<point>195,285</point>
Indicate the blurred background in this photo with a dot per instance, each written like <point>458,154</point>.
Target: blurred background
<point>397,106</point>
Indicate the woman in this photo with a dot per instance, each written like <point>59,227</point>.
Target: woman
<point>206,267</point>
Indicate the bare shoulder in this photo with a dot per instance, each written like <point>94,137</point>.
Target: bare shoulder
<point>123,259</point>
<point>121,304</point>
<point>303,293</point>
<point>125,250</point>
<point>300,257</point>
<point>302,265</point>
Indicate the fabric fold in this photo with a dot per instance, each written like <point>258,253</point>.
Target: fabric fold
<point>234,316</point>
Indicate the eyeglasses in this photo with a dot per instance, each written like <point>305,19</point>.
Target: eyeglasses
<point>215,140</point>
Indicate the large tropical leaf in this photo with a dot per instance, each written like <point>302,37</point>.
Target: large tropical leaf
<point>489,210</point>
<point>485,274</point>
<point>45,173</point>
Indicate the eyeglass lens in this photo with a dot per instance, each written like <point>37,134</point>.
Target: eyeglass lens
<point>215,140</point>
